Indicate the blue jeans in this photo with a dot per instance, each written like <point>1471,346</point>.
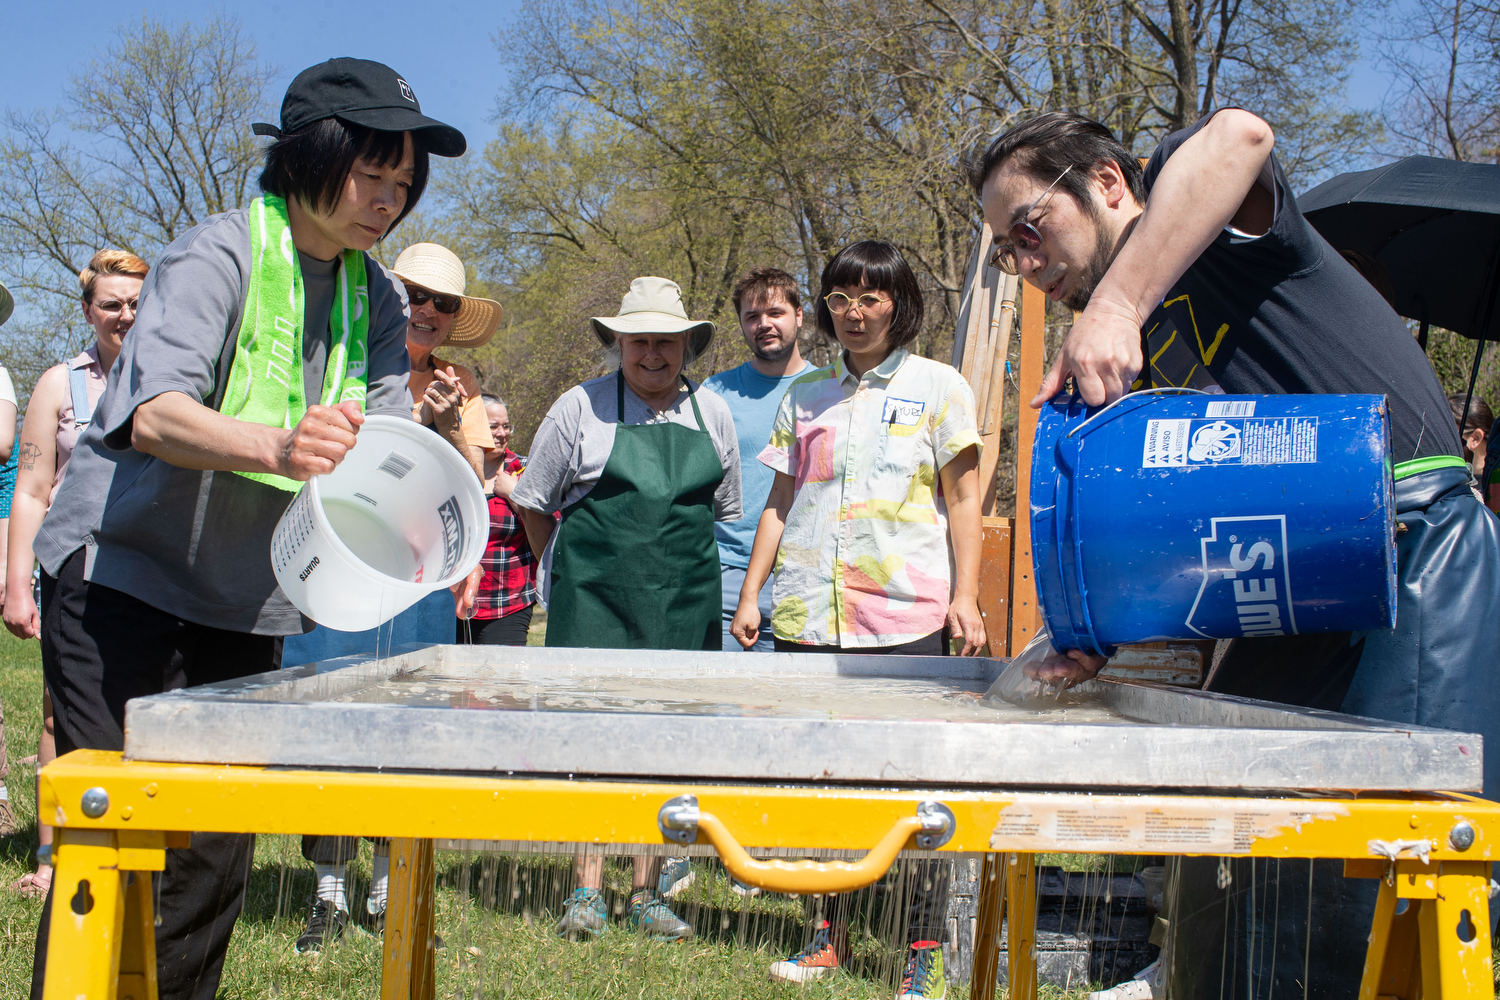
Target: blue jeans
<point>429,620</point>
<point>734,579</point>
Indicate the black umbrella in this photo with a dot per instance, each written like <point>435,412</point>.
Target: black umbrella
<point>1435,226</point>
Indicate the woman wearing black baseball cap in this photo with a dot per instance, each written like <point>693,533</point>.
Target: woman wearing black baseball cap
<point>262,337</point>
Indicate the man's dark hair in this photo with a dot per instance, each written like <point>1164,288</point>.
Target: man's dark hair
<point>312,163</point>
<point>761,282</point>
<point>879,265</point>
<point>1049,144</point>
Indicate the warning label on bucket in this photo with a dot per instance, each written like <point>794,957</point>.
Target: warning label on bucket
<point>1166,443</point>
<point>1243,441</point>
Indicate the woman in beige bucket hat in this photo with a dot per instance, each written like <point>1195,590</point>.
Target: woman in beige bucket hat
<point>639,464</point>
<point>446,395</point>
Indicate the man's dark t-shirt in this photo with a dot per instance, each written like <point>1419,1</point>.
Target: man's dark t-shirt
<point>1284,313</point>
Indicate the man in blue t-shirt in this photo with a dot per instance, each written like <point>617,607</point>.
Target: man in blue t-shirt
<point>770,309</point>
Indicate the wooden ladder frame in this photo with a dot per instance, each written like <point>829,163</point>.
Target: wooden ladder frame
<point>981,350</point>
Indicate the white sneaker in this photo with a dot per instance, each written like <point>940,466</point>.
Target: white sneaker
<point>1146,985</point>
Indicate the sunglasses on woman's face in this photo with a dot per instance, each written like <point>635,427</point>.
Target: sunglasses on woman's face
<point>447,304</point>
<point>1023,235</point>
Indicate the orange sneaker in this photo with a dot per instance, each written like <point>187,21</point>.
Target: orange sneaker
<point>815,961</point>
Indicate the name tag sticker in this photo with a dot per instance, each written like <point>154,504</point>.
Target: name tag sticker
<point>906,412</point>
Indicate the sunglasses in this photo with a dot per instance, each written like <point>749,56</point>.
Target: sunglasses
<point>839,303</point>
<point>1023,234</point>
<point>446,304</point>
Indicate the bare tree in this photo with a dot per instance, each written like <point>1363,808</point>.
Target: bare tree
<point>155,137</point>
<point>1444,98</point>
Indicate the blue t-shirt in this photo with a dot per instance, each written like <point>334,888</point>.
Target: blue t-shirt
<point>753,399</point>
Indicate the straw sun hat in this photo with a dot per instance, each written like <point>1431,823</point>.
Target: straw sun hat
<point>438,269</point>
<point>654,305</point>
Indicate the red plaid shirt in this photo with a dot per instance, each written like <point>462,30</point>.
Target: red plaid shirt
<point>509,580</point>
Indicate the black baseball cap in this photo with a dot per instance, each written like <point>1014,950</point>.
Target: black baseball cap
<point>363,92</point>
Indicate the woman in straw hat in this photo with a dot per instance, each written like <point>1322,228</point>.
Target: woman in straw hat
<point>446,396</point>
<point>640,463</point>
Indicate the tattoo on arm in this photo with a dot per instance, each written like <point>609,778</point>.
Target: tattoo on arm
<point>29,452</point>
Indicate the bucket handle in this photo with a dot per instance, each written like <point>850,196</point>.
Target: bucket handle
<point>1057,547</point>
<point>1083,599</point>
<point>1176,390</point>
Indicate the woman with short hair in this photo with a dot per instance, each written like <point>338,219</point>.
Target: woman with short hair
<point>61,406</point>
<point>876,495</point>
<point>877,486</point>
<point>264,337</point>
<point>640,464</point>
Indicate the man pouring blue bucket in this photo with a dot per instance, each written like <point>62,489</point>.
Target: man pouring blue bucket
<point>1218,283</point>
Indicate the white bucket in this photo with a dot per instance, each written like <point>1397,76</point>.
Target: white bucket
<point>401,516</point>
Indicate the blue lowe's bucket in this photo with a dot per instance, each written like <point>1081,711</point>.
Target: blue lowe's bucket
<point>1212,517</point>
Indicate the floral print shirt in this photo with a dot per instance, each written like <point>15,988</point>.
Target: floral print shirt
<point>865,559</point>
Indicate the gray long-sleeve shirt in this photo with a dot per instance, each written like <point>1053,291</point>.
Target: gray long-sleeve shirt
<point>197,544</point>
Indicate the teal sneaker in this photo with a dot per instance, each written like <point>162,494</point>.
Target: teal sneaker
<point>585,915</point>
<point>676,875</point>
<point>648,913</point>
<point>924,972</point>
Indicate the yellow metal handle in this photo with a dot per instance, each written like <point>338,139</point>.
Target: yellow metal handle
<point>681,820</point>
<point>808,876</point>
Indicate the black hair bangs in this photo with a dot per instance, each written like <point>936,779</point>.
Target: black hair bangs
<point>879,265</point>
<point>312,164</point>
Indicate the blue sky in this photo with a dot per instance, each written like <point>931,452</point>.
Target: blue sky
<point>445,48</point>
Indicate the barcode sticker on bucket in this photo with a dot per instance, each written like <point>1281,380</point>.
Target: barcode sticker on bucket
<point>1166,443</point>
<point>1231,408</point>
<point>396,465</point>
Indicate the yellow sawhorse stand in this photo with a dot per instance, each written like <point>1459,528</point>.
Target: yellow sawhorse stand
<point>115,820</point>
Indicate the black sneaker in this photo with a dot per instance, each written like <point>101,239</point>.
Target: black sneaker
<point>325,925</point>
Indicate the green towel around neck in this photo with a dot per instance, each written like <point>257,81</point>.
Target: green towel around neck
<point>265,380</point>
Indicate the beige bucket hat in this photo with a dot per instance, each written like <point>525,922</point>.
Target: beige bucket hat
<point>654,305</point>
<point>438,269</point>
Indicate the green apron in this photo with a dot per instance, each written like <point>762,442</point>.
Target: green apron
<point>635,564</point>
